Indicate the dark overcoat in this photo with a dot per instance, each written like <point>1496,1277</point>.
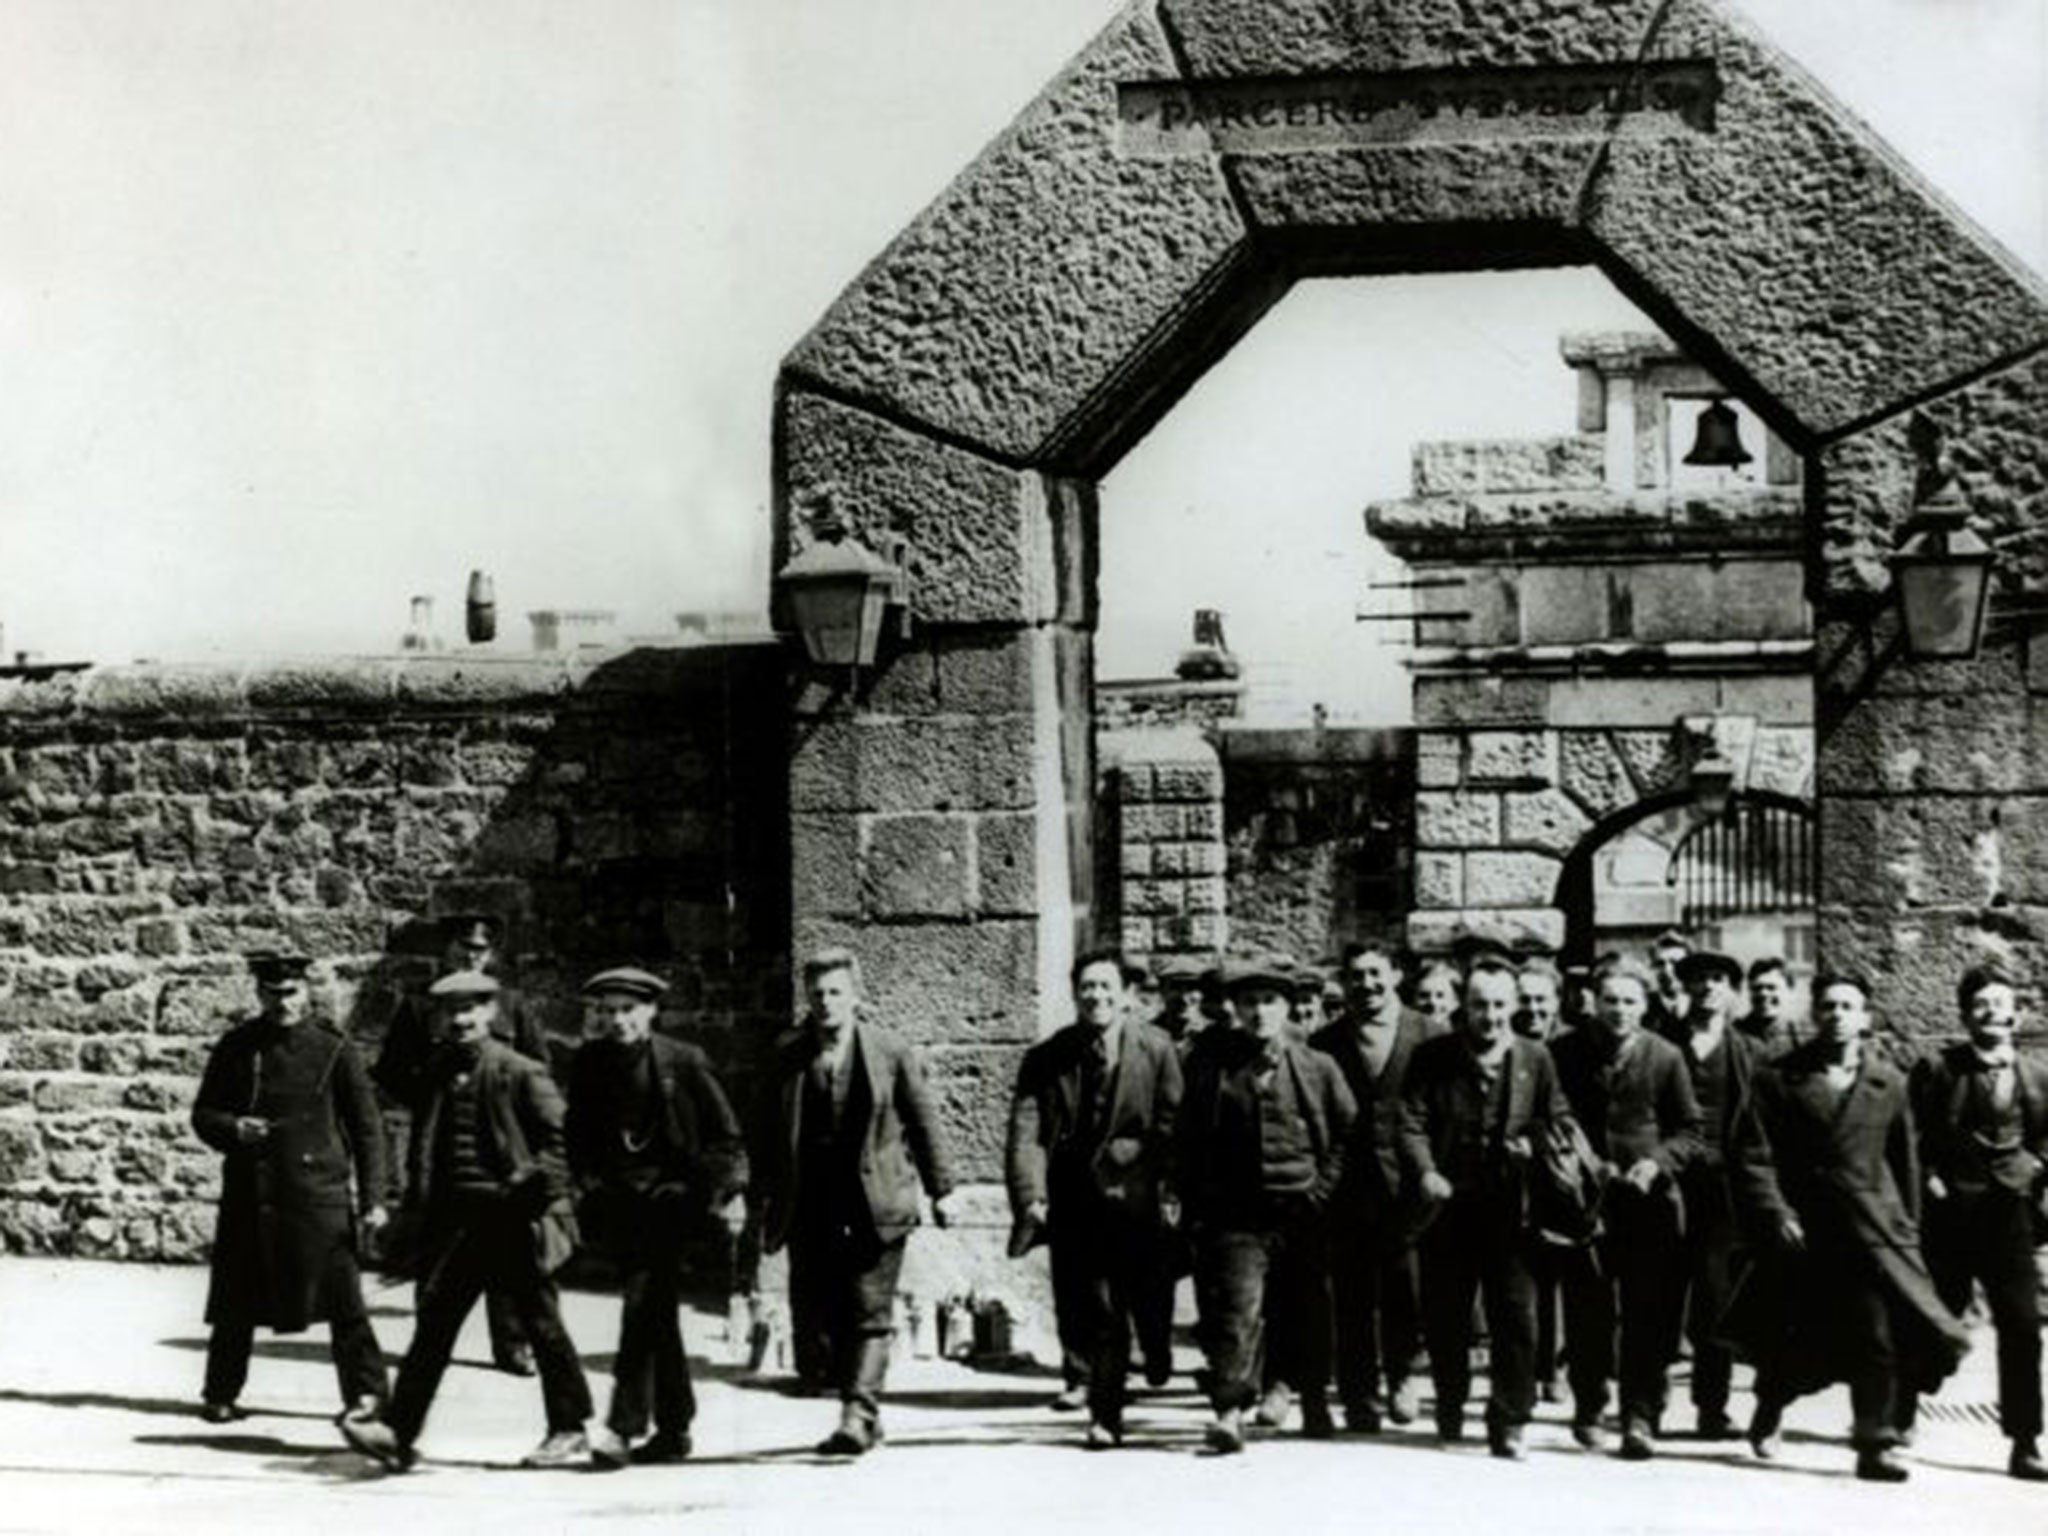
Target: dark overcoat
<point>1217,1160</point>
<point>899,1140</point>
<point>284,1245</point>
<point>1124,1161</point>
<point>1848,1167</point>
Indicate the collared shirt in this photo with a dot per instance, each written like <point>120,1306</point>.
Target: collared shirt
<point>1841,1075</point>
<point>2001,1074</point>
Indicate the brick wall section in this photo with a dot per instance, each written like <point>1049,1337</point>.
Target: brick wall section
<point>157,822</point>
<point>1319,825</point>
<point>1160,820</point>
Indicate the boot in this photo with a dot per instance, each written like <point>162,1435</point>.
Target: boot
<point>860,1418</point>
<point>1876,1464</point>
<point>2025,1463</point>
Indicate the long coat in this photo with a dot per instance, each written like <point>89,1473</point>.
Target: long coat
<point>1217,1160</point>
<point>900,1142</point>
<point>1848,1167</point>
<point>1375,1190</point>
<point>520,1138</point>
<point>1638,1106</point>
<point>284,1246</point>
<point>1126,1160</point>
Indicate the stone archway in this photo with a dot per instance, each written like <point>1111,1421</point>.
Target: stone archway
<point>1198,156</point>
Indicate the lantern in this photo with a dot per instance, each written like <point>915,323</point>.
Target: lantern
<point>1943,577</point>
<point>838,592</point>
<point>1712,782</point>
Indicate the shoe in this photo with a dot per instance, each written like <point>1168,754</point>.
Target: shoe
<point>857,1434</point>
<point>1588,1434</point>
<point>1102,1437</point>
<point>661,1449</point>
<point>1450,1427</point>
<point>1404,1403</point>
<point>1071,1399</point>
<point>1879,1466</point>
<point>1316,1423</point>
<point>608,1449</point>
<point>1714,1426</point>
<point>1362,1418</point>
<point>562,1448</point>
<point>1635,1441</point>
<point>1505,1442</point>
<point>517,1361</point>
<point>222,1413</point>
<point>1226,1436</point>
<point>2026,1464</point>
<point>377,1440</point>
<point>1275,1406</point>
<point>1764,1427</point>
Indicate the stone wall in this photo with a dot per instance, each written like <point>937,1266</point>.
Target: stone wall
<point>1159,819</point>
<point>1319,827</point>
<point>157,822</point>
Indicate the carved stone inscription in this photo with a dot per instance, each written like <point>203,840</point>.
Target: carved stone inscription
<point>1309,112</point>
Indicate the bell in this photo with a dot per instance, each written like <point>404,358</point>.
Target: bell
<point>1718,444</point>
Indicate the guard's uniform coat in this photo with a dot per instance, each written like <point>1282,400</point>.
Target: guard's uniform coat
<point>1858,1304</point>
<point>284,1248</point>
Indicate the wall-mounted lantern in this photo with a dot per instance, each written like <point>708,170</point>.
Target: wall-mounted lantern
<point>839,593</point>
<point>1943,576</point>
<point>1712,782</point>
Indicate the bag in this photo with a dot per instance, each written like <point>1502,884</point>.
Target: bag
<point>1567,1188</point>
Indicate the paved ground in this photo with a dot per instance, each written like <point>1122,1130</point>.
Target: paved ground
<point>99,1366</point>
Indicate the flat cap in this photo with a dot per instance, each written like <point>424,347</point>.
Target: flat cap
<point>1180,971</point>
<point>1274,971</point>
<point>627,980</point>
<point>273,968</point>
<point>461,986</point>
<point>1708,962</point>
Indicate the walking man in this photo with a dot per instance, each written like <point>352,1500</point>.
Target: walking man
<point>469,942</point>
<point>1089,1161</point>
<point>1721,1064</point>
<point>1982,1112</point>
<point>1475,1112</point>
<point>1263,1134</point>
<point>845,1136</point>
<point>488,1165</point>
<point>1630,1093</point>
<point>657,1150</point>
<point>1375,1277</point>
<point>288,1105</point>
<point>1831,1172</point>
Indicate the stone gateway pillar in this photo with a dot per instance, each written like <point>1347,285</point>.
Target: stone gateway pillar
<point>973,383</point>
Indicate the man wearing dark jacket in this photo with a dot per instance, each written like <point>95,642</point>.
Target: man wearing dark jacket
<point>1475,1112</point>
<point>1375,1278</point>
<point>487,1161</point>
<point>1721,1063</point>
<point>844,1136</point>
<point>1089,1162</point>
<point>1982,1113</point>
<point>469,942</point>
<point>1264,1129</point>
<point>287,1104</point>
<point>1830,1177</point>
<point>656,1149</point>
<point>1631,1095</point>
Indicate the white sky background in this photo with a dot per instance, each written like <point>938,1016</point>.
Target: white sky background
<point>307,307</point>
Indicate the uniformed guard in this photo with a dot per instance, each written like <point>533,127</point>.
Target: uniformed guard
<point>287,1103</point>
<point>656,1149</point>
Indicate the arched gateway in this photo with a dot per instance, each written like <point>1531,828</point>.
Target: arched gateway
<point>1198,157</point>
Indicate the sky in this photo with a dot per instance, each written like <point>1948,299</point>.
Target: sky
<point>313,307</point>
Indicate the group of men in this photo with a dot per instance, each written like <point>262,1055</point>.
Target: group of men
<point>1353,1180</point>
<point>1352,1183</point>
<point>507,1175</point>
